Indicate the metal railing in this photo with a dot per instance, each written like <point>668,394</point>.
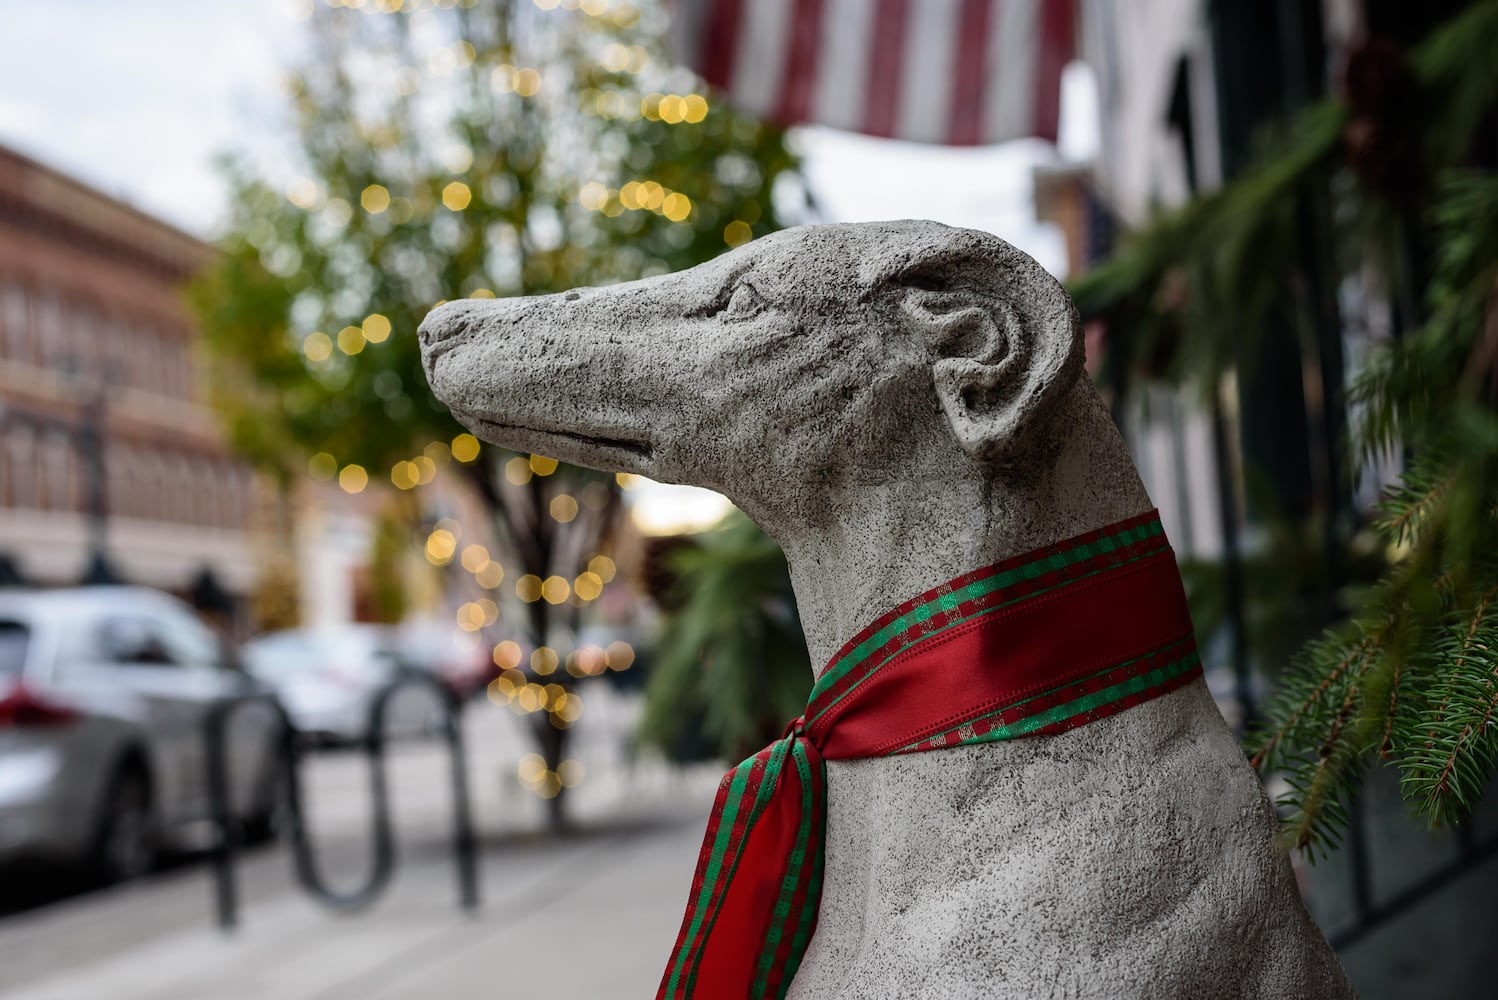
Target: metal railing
<point>289,786</point>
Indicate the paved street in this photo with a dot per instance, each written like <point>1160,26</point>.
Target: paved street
<point>591,914</point>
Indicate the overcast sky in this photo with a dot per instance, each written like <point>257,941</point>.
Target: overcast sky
<point>138,98</point>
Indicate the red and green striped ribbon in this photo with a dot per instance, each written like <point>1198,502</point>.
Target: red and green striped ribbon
<point>1034,645</point>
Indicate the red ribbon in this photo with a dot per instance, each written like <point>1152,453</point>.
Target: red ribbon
<point>1035,645</point>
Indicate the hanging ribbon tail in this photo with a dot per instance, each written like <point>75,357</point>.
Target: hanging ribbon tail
<point>754,897</point>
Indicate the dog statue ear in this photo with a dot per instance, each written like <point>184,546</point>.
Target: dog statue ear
<point>1004,338</point>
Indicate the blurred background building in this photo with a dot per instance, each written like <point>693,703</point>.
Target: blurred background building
<point>112,464</point>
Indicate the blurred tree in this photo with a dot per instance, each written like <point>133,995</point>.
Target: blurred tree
<point>1406,156</point>
<point>387,553</point>
<point>474,148</point>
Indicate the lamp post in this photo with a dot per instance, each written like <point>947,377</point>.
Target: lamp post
<point>89,435</point>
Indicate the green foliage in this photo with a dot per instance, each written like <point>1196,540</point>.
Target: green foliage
<point>480,148</point>
<point>731,662</point>
<point>1412,676</point>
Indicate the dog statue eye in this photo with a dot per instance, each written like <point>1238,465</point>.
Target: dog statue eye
<point>744,303</point>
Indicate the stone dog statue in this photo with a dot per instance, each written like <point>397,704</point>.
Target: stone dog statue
<point>897,403</point>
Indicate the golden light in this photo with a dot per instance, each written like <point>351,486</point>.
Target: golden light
<point>481,293</point>
<point>550,786</point>
<point>620,655</point>
<point>531,768</point>
<point>593,8</point>
<point>650,106</point>
<point>672,109</point>
<point>544,661</point>
<point>595,496</point>
<point>376,328</point>
<point>322,466</point>
<point>564,508</point>
<point>507,654</point>
<point>503,78</point>
<point>375,199</point>
<point>474,557</point>
<point>489,609</point>
<point>696,108</point>
<point>527,82</point>
<point>528,698</point>
<point>426,469</point>
<point>318,346</point>
<point>588,586</point>
<point>676,207</point>
<point>470,617</point>
<point>542,466</point>
<point>456,196</point>
<point>615,58</point>
<point>465,447</point>
<point>571,709</point>
<point>571,773</point>
<point>353,479</point>
<point>586,661</point>
<point>404,475</point>
<point>603,567</point>
<point>555,590</point>
<point>555,693</point>
<point>629,195</point>
<point>651,195</point>
<point>593,196</point>
<point>627,480</point>
<point>737,233</point>
<point>490,575</point>
<point>351,340</point>
<point>518,471</point>
<point>440,547</point>
<point>437,451</point>
<point>528,588</point>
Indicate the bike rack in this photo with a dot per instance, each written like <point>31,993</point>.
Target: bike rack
<point>226,850</point>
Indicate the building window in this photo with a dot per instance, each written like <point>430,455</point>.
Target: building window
<point>20,449</point>
<point>15,326</point>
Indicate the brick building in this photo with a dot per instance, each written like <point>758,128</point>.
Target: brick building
<point>103,420</point>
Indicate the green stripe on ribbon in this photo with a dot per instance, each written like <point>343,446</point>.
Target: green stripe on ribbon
<point>977,614</point>
<point>981,588</point>
<point>727,824</point>
<point>794,869</point>
<point>1079,706</point>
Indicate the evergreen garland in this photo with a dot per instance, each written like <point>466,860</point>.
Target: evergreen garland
<point>1411,677</point>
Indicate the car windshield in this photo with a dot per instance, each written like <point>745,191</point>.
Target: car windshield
<point>13,639</point>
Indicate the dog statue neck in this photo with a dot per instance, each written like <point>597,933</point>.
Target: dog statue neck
<point>880,544</point>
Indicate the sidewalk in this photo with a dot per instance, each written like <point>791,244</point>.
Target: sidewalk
<point>592,914</point>
<point>593,917</point>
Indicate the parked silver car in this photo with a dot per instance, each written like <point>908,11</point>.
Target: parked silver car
<point>328,678</point>
<point>104,693</point>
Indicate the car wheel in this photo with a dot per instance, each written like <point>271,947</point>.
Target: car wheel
<point>124,846</point>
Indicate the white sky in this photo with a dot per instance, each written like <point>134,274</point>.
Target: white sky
<point>138,98</point>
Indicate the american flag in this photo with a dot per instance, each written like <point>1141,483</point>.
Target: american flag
<point>959,72</point>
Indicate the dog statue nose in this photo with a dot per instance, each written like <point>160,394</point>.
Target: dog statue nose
<point>449,320</point>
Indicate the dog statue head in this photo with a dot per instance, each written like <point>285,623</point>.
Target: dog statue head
<point>811,357</point>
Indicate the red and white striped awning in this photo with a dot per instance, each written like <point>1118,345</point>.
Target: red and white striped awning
<point>960,72</point>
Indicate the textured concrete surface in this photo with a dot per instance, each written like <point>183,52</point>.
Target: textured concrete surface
<point>896,404</point>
